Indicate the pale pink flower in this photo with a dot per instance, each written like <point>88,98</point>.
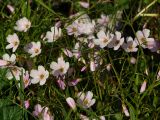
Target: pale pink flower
<point>83,68</point>
<point>158,75</point>
<point>85,100</point>
<point>143,39</point>
<point>117,41</point>
<point>46,115</point>
<point>103,39</point>
<point>23,25</point>
<point>130,46</point>
<point>60,68</point>
<point>13,41</point>
<point>35,49</point>
<point>73,29</point>
<point>39,75</point>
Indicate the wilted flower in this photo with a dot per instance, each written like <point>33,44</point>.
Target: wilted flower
<point>23,25</point>
<point>13,41</point>
<point>39,75</point>
<point>54,34</point>
<point>59,68</point>
<point>85,100</point>
<point>103,39</point>
<point>71,103</point>
<point>117,41</point>
<point>35,49</point>
<point>7,60</point>
<point>125,110</point>
<point>143,86</point>
<point>130,46</point>
<point>144,40</point>
<point>15,72</point>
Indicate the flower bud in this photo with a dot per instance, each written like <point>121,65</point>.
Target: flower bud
<point>143,86</point>
<point>71,103</point>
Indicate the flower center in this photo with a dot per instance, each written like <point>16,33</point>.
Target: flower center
<point>74,29</point>
<point>85,102</point>
<point>144,40</point>
<point>27,26</point>
<point>42,76</point>
<point>36,50</point>
<point>116,42</point>
<point>61,69</point>
<point>15,43</point>
<point>105,40</point>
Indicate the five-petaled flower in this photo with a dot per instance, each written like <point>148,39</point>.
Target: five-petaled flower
<point>39,75</point>
<point>13,41</point>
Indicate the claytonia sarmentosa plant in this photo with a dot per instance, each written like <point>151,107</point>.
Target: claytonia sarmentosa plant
<point>81,51</point>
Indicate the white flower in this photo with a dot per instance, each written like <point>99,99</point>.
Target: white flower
<point>130,46</point>
<point>23,25</point>
<point>37,110</point>
<point>103,20</point>
<point>103,39</point>
<point>7,60</point>
<point>144,40</point>
<point>39,75</point>
<point>116,42</point>
<point>13,41</point>
<point>15,72</point>
<point>85,100</point>
<point>35,49</point>
<point>71,102</point>
<point>54,34</point>
<point>59,68</point>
